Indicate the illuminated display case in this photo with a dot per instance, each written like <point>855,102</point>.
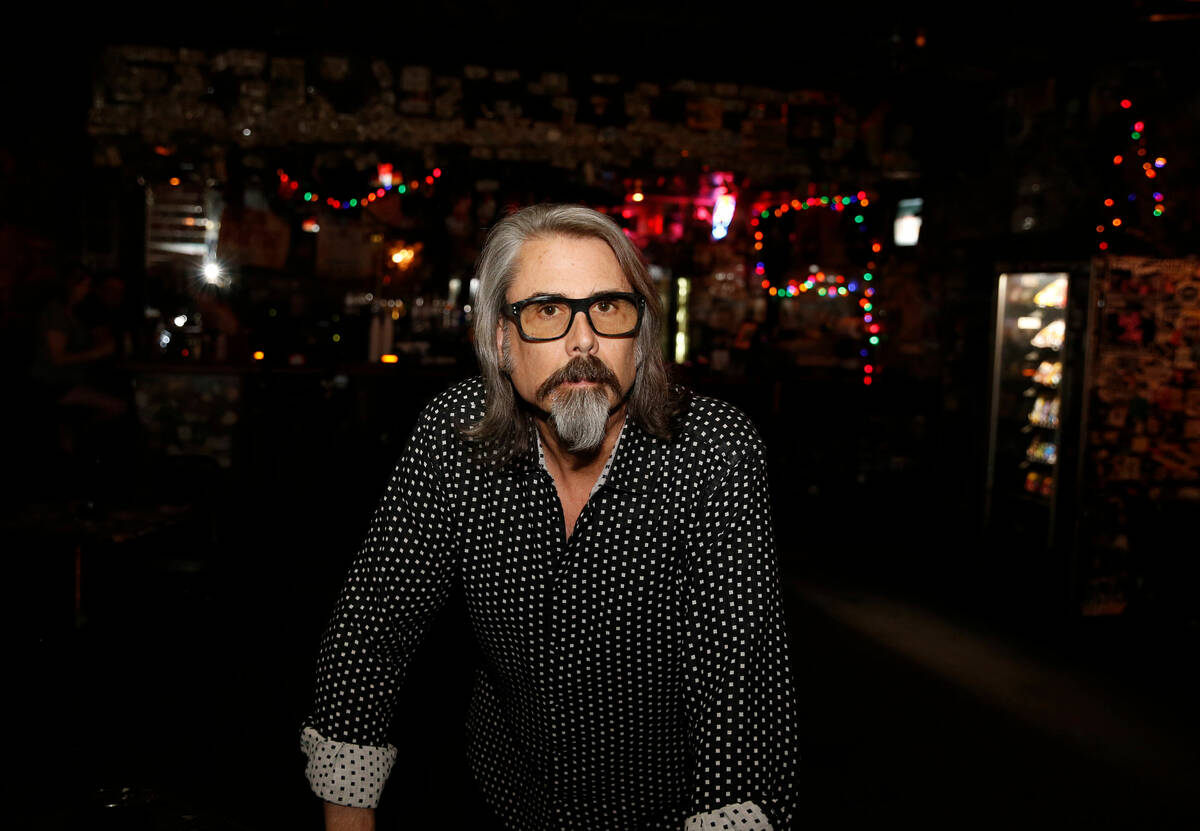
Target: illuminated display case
<point>1033,434</point>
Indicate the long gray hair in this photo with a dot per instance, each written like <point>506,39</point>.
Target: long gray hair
<point>504,430</point>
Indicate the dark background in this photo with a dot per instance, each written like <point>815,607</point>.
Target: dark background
<point>177,698</point>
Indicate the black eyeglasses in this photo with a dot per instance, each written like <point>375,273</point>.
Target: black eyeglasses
<point>549,316</point>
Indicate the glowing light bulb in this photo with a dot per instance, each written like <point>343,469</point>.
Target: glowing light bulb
<point>1118,159</point>
<point>1160,162</point>
<point>1126,103</point>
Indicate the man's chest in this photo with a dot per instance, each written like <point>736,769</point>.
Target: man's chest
<point>623,567</point>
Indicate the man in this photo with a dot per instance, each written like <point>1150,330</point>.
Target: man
<point>613,541</point>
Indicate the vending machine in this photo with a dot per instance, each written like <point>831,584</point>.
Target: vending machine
<point>1093,466</point>
<point>1038,350</point>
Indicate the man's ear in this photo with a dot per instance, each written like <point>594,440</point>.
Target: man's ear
<point>501,339</point>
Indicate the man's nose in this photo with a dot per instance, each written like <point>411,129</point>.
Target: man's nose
<point>581,337</point>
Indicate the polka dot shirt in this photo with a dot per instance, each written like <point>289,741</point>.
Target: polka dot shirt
<point>635,674</point>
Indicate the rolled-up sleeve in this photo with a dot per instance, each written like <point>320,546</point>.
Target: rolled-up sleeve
<point>400,577</point>
<point>740,693</point>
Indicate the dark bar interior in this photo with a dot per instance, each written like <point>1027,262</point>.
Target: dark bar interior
<point>947,261</point>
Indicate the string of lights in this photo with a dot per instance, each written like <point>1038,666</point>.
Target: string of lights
<point>390,181</point>
<point>822,283</point>
<point>1150,170</point>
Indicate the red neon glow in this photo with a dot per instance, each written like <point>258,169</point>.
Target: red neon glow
<point>1118,159</point>
<point>868,369</point>
<point>1104,246</point>
<point>437,172</point>
<point>867,380</point>
<point>1126,103</point>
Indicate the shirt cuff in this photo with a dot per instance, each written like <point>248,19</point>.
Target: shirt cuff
<point>744,815</point>
<point>345,773</point>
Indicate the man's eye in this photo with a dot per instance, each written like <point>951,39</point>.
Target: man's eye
<point>548,310</point>
<point>603,306</point>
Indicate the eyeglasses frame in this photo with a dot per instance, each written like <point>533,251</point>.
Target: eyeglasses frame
<point>582,304</point>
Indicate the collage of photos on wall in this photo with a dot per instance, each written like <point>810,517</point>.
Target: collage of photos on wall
<point>1142,451</point>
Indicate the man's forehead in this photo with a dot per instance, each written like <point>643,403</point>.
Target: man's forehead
<point>566,265</point>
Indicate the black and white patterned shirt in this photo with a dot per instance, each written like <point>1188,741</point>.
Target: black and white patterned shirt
<point>635,674</point>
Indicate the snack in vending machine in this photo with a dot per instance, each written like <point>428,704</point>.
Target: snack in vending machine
<point>1053,295</point>
<point>1048,373</point>
<point>1051,336</point>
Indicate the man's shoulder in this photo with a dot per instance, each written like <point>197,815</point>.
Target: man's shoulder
<point>462,403</point>
<point>717,426</point>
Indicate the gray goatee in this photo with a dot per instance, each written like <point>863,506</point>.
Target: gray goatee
<point>580,417</point>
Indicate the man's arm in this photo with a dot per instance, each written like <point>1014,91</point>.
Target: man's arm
<point>740,693</point>
<point>399,579</point>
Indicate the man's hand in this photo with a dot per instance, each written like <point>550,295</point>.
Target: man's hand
<point>343,818</point>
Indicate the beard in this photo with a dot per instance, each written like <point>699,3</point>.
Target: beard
<point>579,415</point>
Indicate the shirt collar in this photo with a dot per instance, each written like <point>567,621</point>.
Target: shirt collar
<point>628,466</point>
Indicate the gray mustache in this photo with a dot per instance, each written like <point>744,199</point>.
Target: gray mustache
<point>588,368</point>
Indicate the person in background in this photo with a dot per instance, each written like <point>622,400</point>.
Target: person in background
<point>71,359</point>
<point>612,538</point>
